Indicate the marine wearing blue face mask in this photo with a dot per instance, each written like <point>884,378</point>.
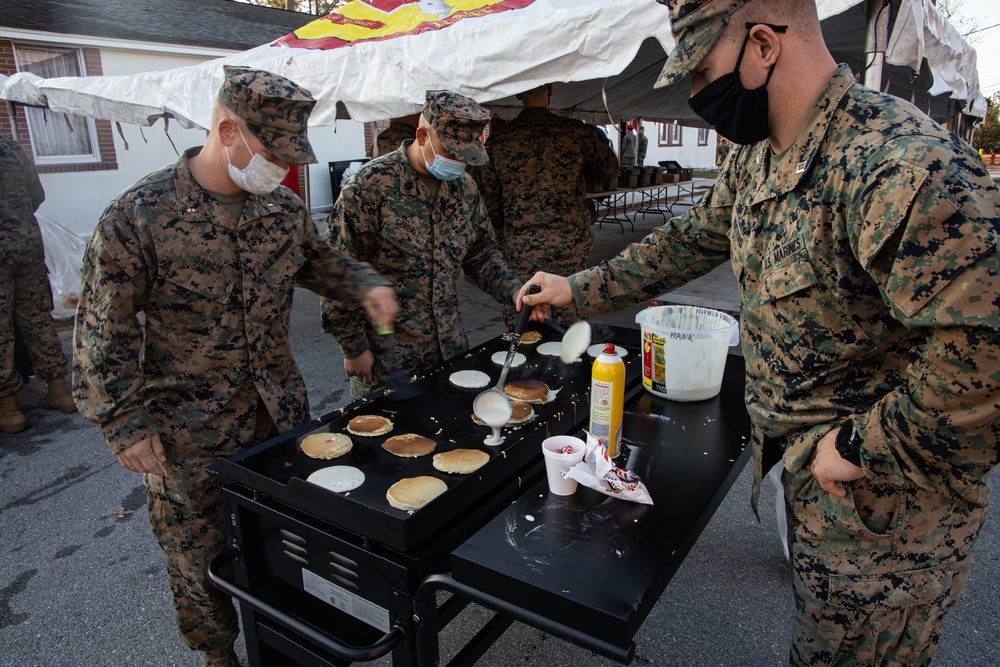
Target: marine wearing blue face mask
<point>442,168</point>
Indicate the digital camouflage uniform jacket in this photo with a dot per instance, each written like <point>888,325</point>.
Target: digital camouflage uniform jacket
<point>387,216</point>
<point>20,196</point>
<point>630,147</point>
<point>392,136</point>
<point>216,295</point>
<point>870,283</point>
<point>535,190</point>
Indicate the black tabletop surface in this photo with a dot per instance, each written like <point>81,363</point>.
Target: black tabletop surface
<point>597,564</point>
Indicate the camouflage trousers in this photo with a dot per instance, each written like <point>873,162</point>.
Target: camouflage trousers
<point>874,573</point>
<point>186,516</point>
<point>26,301</point>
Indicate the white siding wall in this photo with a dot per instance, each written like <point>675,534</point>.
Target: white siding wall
<point>76,200</point>
<point>688,154</point>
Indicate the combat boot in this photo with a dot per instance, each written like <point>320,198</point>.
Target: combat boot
<point>59,397</point>
<point>223,657</point>
<point>11,419</point>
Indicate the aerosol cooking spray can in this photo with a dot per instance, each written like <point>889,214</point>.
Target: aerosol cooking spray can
<point>607,398</point>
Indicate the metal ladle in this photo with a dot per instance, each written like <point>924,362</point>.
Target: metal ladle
<point>493,406</point>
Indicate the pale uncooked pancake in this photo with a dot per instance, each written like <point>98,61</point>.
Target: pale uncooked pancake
<point>596,349</point>
<point>409,445</point>
<point>500,357</point>
<point>338,478</point>
<point>575,342</point>
<point>412,493</point>
<point>461,461</point>
<point>521,412</point>
<point>551,349</point>
<point>527,338</point>
<point>326,445</point>
<point>529,391</point>
<point>469,379</point>
<point>369,425</point>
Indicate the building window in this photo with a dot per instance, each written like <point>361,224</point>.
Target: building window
<point>670,134</point>
<point>57,138</point>
<point>702,136</point>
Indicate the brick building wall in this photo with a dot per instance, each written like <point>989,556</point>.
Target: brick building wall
<point>105,139</point>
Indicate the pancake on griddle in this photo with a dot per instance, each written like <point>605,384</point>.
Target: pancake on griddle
<point>520,413</point>
<point>409,445</point>
<point>527,390</point>
<point>412,493</point>
<point>527,338</point>
<point>326,445</point>
<point>369,426</point>
<point>460,461</point>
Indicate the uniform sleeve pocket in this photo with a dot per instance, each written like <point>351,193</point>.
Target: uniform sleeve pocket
<point>933,242</point>
<point>897,590</point>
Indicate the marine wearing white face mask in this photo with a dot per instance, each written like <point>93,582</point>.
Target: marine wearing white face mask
<point>260,176</point>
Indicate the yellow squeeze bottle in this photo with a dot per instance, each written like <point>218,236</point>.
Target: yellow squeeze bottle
<point>607,399</point>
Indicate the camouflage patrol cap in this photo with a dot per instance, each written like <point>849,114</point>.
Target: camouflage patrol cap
<point>459,122</point>
<point>696,25</point>
<point>274,108</point>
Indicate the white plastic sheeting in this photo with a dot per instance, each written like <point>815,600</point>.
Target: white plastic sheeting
<point>922,31</point>
<point>606,55</point>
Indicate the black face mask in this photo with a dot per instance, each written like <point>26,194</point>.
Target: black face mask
<point>738,114</point>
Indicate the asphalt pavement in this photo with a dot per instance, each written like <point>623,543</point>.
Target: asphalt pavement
<point>82,581</point>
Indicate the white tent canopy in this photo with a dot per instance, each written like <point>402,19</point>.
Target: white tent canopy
<point>604,56</point>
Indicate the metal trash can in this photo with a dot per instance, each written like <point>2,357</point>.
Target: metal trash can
<point>337,169</point>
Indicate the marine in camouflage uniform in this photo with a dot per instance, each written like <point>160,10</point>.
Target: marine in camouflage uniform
<point>629,149</point>
<point>211,372</point>
<point>398,131</point>
<point>535,190</point>
<point>643,141</point>
<point>866,258</point>
<point>422,233</point>
<point>25,293</point>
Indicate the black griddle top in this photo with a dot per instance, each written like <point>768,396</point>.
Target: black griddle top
<point>597,564</point>
<point>443,412</point>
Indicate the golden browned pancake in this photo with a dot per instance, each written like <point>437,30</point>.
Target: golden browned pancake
<point>369,425</point>
<point>326,445</point>
<point>527,338</point>
<point>409,445</point>
<point>527,390</point>
<point>412,493</point>
<point>520,413</point>
<point>461,461</point>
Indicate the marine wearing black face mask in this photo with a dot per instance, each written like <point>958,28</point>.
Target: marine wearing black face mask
<point>737,113</point>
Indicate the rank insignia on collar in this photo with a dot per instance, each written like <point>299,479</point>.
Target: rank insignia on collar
<point>801,167</point>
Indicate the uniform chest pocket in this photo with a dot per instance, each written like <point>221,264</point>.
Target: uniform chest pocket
<point>200,281</point>
<point>405,256</point>
<point>803,322</point>
<point>280,269</point>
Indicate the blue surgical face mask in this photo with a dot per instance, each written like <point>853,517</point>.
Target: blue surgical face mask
<point>442,168</point>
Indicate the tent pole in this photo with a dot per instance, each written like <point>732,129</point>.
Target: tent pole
<point>876,39</point>
<point>12,115</point>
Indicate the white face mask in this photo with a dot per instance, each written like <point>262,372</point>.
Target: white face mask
<point>260,177</point>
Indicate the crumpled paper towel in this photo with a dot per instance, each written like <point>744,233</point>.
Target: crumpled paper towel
<point>596,471</point>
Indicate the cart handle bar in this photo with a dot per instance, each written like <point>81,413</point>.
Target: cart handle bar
<point>352,653</point>
<point>445,581</point>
